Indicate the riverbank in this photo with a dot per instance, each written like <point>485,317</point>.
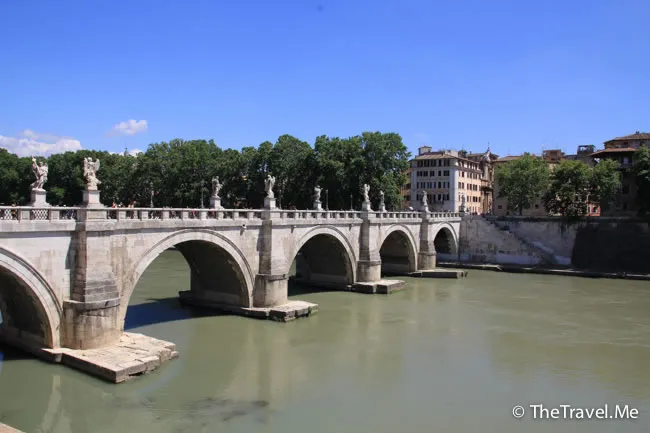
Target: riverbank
<point>546,270</point>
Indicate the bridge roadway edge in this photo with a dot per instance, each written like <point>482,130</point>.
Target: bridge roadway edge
<point>136,354</point>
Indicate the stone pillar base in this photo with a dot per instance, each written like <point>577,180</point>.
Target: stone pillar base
<point>38,198</point>
<point>88,325</point>
<point>382,207</point>
<point>426,261</point>
<point>368,270</point>
<point>91,198</point>
<point>269,202</point>
<point>365,206</point>
<point>215,202</point>
<point>270,290</point>
<point>317,205</point>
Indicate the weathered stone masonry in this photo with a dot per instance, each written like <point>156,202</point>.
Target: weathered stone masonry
<point>67,282</point>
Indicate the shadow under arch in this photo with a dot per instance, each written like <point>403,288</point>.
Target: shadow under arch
<point>218,269</point>
<point>324,259</point>
<point>445,241</point>
<point>397,252</point>
<point>31,314</point>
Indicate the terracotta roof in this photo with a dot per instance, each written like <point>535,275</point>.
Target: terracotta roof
<point>509,158</point>
<point>615,150</point>
<point>435,156</point>
<point>636,136</point>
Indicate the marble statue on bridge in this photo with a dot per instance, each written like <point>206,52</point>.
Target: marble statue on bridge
<point>425,202</point>
<point>216,186</point>
<point>366,192</point>
<point>40,171</point>
<point>90,173</point>
<point>317,203</point>
<point>268,186</point>
<point>382,205</point>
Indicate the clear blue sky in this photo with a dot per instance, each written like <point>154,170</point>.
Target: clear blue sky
<point>518,74</point>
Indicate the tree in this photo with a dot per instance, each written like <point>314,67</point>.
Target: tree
<point>641,172</point>
<point>522,181</point>
<point>605,182</point>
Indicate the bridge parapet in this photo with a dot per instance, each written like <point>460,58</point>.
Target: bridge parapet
<point>53,213</point>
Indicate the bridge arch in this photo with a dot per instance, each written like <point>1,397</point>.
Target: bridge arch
<point>327,256</point>
<point>31,312</point>
<point>398,250</point>
<point>445,240</point>
<point>212,258</point>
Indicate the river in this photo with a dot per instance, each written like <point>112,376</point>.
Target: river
<point>444,355</point>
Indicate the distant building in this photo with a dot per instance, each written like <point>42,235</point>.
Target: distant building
<point>445,176</point>
<point>621,149</point>
<point>486,162</point>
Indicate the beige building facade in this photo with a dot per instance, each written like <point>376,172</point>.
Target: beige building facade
<point>448,178</point>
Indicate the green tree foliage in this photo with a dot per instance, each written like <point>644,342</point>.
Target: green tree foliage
<point>574,186</point>
<point>605,182</point>
<point>522,181</point>
<point>179,173</point>
<point>641,172</point>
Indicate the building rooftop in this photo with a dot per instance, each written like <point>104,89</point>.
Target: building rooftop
<point>636,136</point>
<point>509,158</point>
<point>614,150</point>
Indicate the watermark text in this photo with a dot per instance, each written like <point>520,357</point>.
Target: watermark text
<point>570,412</point>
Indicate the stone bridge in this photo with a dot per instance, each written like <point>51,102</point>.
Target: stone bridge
<point>67,274</point>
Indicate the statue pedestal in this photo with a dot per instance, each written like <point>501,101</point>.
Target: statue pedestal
<point>93,206</point>
<point>317,205</point>
<point>269,202</point>
<point>382,207</point>
<point>365,206</point>
<point>91,198</point>
<point>215,202</point>
<point>38,198</point>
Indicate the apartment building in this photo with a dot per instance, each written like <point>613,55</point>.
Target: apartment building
<point>485,162</point>
<point>621,149</point>
<point>446,176</point>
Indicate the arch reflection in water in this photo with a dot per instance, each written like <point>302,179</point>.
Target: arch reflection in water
<point>233,371</point>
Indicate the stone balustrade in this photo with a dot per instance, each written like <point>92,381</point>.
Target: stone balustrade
<point>53,213</point>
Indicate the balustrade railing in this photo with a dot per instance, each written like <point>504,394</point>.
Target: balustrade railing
<point>28,213</point>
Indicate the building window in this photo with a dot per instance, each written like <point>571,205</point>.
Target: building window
<point>536,206</point>
<point>446,173</point>
<point>439,184</point>
<point>499,207</point>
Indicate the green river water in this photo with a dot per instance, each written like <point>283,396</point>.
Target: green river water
<point>444,355</point>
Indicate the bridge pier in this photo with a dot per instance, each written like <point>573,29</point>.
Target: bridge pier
<point>91,315</point>
<point>427,250</point>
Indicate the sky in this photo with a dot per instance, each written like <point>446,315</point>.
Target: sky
<point>517,75</point>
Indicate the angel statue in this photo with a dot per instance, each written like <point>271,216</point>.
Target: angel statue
<point>424,199</point>
<point>90,170</point>
<point>381,196</point>
<point>40,171</point>
<point>317,193</point>
<point>366,191</point>
<point>268,186</point>
<point>216,186</point>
